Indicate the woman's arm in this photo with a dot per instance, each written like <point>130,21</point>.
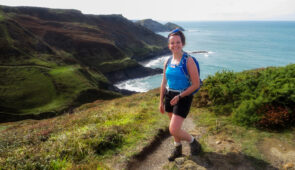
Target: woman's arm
<point>194,77</point>
<point>163,89</point>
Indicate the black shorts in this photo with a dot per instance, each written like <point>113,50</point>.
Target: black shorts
<point>181,108</point>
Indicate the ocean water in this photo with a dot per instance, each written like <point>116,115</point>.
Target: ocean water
<point>234,46</point>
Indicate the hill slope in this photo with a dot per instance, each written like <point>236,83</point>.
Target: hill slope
<point>91,137</point>
<point>52,59</point>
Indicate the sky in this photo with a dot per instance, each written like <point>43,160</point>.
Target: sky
<point>175,10</point>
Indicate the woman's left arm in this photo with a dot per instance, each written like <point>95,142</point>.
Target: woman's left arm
<point>194,77</point>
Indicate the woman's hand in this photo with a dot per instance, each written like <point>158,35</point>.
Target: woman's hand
<point>161,107</point>
<point>175,100</point>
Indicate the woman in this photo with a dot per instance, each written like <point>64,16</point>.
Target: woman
<point>175,93</point>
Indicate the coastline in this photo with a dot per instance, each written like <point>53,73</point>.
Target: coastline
<point>135,72</point>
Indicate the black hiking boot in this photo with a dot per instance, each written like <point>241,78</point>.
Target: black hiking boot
<point>195,147</point>
<point>176,152</point>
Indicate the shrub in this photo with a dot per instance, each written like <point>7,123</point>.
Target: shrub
<point>260,97</point>
<point>246,113</point>
<point>275,117</point>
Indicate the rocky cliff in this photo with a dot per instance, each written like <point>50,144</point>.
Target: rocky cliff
<point>158,27</point>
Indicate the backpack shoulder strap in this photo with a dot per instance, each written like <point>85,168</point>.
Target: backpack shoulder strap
<point>168,62</point>
<point>184,64</point>
<point>184,68</point>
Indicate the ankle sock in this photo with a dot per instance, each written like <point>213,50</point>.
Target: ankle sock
<point>177,143</point>
<point>192,139</point>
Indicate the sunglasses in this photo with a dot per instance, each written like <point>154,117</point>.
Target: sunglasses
<point>175,31</point>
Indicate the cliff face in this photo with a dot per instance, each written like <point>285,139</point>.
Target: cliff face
<point>53,59</point>
<point>158,27</point>
<point>170,26</point>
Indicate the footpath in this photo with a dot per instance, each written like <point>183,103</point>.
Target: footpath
<point>227,155</point>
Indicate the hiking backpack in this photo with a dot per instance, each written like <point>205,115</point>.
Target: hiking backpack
<point>184,68</point>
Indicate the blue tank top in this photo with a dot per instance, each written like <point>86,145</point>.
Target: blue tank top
<point>175,77</point>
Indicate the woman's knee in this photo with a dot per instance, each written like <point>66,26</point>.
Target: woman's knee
<point>175,125</point>
<point>174,130</point>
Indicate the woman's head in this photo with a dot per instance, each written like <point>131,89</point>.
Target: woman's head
<point>179,33</point>
<point>176,41</point>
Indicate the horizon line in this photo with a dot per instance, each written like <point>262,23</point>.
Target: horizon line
<point>161,20</point>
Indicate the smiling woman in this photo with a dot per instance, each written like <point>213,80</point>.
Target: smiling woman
<point>176,93</point>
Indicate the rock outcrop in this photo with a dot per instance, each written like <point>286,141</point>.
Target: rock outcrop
<point>158,27</point>
<point>170,26</point>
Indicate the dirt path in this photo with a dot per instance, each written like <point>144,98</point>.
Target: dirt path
<point>157,159</point>
<point>226,155</point>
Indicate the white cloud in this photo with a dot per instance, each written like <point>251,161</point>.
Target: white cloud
<point>176,9</point>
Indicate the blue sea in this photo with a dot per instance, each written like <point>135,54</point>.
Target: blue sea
<point>235,46</point>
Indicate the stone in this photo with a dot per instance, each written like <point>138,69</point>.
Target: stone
<point>180,161</point>
<point>289,166</point>
<point>191,165</point>
<point>230,141</point>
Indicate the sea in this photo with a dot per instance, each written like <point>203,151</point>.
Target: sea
<point>229,45</point>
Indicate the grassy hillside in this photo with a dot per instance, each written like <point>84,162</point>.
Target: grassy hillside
<point>36,78</point>
<point>94,136</point>
<point>34,89</point>
<point>52,60</point>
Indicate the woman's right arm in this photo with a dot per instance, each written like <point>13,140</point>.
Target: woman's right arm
<point>163,89</point>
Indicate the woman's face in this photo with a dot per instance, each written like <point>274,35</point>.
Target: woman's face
<point>175,44</point>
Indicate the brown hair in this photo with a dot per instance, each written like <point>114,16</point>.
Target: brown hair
<point>179,33</point>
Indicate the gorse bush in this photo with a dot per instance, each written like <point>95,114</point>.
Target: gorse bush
<point>261,97</point>
<point>276,117</point>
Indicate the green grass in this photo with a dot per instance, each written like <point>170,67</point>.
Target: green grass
<point>69,80</point>
<point>2,17</point>
<point>36,89</point>
<point>116,65</point>
<point>25,87</point>
<point>3,127</point>
<point>5,37</point>
<point>93,137</point>
<point>41,60</point>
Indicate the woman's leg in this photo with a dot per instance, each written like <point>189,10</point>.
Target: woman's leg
<point>176,131</point>
<point>170,117</point>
